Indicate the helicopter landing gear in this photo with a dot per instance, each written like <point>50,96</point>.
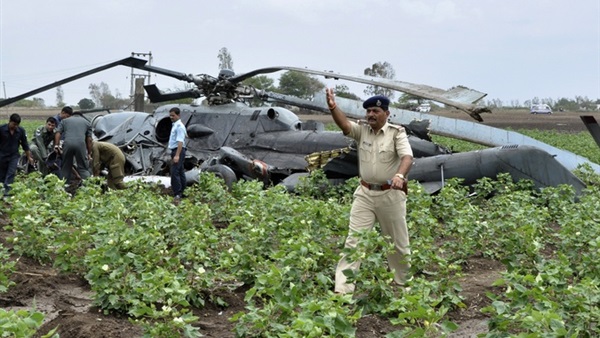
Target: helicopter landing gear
<point>224,172</point>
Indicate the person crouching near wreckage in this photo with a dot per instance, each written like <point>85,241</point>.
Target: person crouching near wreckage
<point>41,144</point>
<point>385,158</point>
<point>108,155</point>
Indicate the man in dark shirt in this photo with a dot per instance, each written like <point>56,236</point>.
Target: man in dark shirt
<point>11,135</point>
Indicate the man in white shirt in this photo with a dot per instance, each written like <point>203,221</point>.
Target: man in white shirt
<point>177,148</point>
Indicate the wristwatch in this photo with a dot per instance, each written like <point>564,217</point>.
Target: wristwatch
<point>400,176</point>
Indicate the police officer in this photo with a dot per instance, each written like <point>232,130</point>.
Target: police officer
<point>109,155</point>
<point>385,158</point>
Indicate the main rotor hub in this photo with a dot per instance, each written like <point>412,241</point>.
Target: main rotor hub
<point>226,74</point>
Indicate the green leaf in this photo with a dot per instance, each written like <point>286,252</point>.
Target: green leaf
<point>449,326</point>
<point>499,306</point>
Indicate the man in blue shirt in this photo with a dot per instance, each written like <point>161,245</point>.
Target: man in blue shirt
<point>177,148</point>
<point>66,110</point>
<point>11,135</point>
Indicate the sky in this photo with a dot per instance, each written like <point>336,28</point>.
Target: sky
<point>513,50</point>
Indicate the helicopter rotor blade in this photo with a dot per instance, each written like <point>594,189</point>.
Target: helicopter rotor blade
<point>155,95</point>
<point>130,61</point>
<point>459,97</point>
<point>242,77</point>
<point>291,100</point>
<point>167,72</point>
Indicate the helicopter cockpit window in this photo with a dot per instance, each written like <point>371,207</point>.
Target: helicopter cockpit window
<point>163,130</point>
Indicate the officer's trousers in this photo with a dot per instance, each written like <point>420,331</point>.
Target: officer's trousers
<point>389,209</point>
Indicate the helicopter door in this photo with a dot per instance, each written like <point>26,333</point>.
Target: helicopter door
<point>209,131</point>
<point>245,129</point>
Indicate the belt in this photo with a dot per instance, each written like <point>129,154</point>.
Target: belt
<point>378,187</point>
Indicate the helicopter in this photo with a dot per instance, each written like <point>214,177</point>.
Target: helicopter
<point>270,143</point>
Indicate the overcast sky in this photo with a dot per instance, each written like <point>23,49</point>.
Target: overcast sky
<point>510,49</point>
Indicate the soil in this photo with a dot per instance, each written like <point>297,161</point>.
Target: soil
<point>522,119</point>
<point>66,300</point>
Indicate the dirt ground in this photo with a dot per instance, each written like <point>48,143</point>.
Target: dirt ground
<point>66,299</point>
<point>521,119</point>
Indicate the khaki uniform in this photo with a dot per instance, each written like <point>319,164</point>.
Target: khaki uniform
<point>109,155</point>
<point>379,157</point>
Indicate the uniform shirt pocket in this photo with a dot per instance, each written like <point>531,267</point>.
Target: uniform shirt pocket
<point>387,153</point>
<point>366,152</point>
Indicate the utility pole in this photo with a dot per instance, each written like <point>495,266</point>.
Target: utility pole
<point>4,87</point>
<point>133,93</point>
<point>138,97</point>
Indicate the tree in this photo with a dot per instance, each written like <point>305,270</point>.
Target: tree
<point>36,102</point>
<point>585,103</point>
<point>343,91</point>
<point>382,70</point>
<point>103,97</point>
<point>60,97</point>
<point>260,82</point>
<point>408,101</point>
<point>566,104</point>
<point>225,59</point>
<point>98,92</point>
<point>299,84</point>
<point>86,104</point>
<point>39,102</point>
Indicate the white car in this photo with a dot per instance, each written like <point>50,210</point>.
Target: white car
<point>424,108</point>
<point>540,109</point>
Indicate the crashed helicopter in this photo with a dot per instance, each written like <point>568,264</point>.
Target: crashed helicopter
<point>270,143</point>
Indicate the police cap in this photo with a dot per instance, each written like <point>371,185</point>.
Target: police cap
<point>377,101</point>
